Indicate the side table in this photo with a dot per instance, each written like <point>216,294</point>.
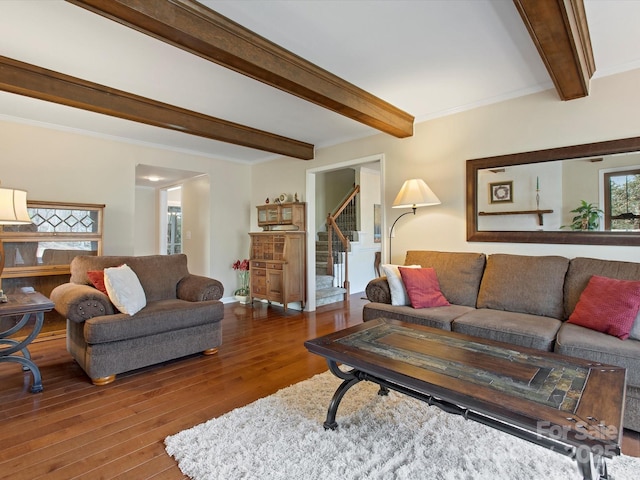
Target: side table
<point>24,304</point>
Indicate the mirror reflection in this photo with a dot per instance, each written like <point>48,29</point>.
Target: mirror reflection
<point>592,194</point>
<point>580,194</point>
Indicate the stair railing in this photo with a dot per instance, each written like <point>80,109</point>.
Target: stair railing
<point>343,242</point>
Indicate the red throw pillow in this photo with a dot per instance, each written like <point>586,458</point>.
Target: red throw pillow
<point>423,287</point>
<point>608,305</point>
<point>96,277</point>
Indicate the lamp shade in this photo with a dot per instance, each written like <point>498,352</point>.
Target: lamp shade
<point>13,207</point>
<point>415,193</point>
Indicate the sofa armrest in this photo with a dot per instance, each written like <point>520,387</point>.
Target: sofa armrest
<point>78,303</point>
<point>378,290</point>
<point>195,288</point>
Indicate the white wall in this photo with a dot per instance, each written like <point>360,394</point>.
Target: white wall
<point>339,184</point>
<point>369,181</point>
<point>321,208</point>
<point>146,222</point>
<point>196,224</point>
<point>57,165</point>
<point>362,257</point>
<point>439,149</point>
<point>331,189</point>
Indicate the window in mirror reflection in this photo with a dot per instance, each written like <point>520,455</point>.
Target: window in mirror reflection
<point>622,200</point>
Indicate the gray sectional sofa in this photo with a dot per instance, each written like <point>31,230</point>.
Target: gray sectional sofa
<point>182,315</point>
<point>522,300</point>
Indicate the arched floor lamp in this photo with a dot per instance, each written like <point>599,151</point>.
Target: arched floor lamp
<point>413,194</point>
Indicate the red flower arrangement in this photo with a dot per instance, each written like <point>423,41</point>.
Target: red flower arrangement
<point>242,266</point>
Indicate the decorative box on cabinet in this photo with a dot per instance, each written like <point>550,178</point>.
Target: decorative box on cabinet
<point>283,216</point>
<point>278,267</point>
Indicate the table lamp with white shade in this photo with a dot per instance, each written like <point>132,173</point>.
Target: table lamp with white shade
<point>13,211</point>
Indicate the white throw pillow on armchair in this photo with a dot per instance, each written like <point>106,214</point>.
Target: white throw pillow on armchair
<point>396,285</point>
<point>124,289</point>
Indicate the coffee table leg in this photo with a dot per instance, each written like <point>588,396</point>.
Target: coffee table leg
<point>591,466</point>
<point>350,379</point>
<point>27,364</point>
<point>21,347</point>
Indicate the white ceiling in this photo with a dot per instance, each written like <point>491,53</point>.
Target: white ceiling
<point>430,58</point>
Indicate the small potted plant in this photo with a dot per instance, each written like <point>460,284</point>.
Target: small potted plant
<point>242,293</point>
<point>587,218</point>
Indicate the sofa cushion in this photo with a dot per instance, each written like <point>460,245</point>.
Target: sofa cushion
<point>581,270</point>
<point>516,328</point>
<point>82,264</point>
<point>436,317</point>
<point>103,359</point>
<point>158,274</point>
<point>581,342</point>
<point>422,287</point>
<point>459,273</point>
<point>396,285</point>
<point>124,289</point>
<point>608,305</point>
<point>172,269</point>
<point>524,284</point>
<point>96,277</point>
<point>157,317</point>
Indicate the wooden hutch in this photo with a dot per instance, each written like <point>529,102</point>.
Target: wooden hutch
<point>38,255</point>
<point>278,265</point>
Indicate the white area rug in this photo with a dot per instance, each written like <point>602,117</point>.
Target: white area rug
<point>393,437</point>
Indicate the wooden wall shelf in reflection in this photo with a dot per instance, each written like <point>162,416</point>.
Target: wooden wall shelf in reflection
<point>539,213</point>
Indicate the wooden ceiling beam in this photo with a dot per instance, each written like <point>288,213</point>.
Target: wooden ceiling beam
<point>32,81</point>
<point>195,28</point>
<point>560,33</point>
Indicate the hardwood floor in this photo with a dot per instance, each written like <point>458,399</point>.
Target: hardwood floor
<point>76,430</point>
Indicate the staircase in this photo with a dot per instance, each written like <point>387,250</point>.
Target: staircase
<point>326,291</point>
<point>332,282</point>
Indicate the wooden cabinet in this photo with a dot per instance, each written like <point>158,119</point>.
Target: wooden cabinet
<point>278,267</point>
<point>282,216</point>
<point>38,255</point>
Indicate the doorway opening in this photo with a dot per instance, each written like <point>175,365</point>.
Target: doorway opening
<point>173,238</point>
<point>316,215</point>
<point>172,206</point>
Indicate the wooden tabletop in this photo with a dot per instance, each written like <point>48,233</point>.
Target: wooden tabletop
<point>20,303</point>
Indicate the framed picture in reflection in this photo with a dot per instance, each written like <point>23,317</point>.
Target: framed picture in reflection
<point>501,192</point>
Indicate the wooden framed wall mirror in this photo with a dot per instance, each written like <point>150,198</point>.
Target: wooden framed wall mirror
<point>540,189</point>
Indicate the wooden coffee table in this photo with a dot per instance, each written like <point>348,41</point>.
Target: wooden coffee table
<point>566,404</point>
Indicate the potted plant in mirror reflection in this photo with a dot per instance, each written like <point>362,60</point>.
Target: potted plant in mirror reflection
<point>242,267</point>
<point>587,218</point>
